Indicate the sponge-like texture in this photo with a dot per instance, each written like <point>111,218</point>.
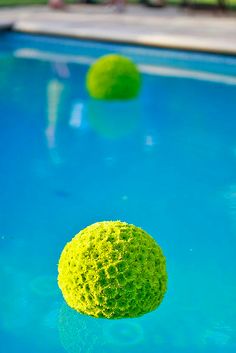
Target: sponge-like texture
<point>113,77</point>
<point>112,270</point>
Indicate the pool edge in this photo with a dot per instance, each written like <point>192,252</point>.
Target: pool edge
<point>165,44</point>
<point>6,26</point>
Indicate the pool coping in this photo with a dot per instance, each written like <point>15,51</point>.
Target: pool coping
<point>168,28</point>
<point>6,25</point>
<point>161,43</point>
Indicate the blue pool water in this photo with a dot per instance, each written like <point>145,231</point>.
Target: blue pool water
<point>165,162</point>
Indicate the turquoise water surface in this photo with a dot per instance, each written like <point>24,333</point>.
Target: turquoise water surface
<point>165,162</point>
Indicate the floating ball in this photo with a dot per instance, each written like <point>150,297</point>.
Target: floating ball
<point>112,270</point>
<point>113,77</point>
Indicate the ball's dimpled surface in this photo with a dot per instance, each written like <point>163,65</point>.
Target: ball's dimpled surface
<point>113,77</point>
<point>112,270</point>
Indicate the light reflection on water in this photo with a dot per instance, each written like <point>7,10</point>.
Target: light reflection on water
<point>165,162</point>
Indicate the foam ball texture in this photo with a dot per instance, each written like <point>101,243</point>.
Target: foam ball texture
<point>112,270</point>
<point>113,77</point>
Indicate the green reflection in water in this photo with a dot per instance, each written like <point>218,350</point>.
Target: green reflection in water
<point>82,333</point>
<point>113,120</point>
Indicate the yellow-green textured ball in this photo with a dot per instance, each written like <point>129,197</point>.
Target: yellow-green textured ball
<point>112,270</point>
<point>113,77</point>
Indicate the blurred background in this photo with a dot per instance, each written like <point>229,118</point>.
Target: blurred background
<point>230,4</point>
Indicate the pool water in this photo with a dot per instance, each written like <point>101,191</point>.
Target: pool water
<point>165,162</point>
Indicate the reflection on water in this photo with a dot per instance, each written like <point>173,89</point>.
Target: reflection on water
<point>123,334</point>
<point>174,329</point>
<point>56,97</point>
<point>113,120</point>
<point>81,333</point>
<point>163,162</point>
<point>32,304</point>
<point>25,314</point>
<point>54,92</point>
<point>218,335</point>
<point>77,116</point>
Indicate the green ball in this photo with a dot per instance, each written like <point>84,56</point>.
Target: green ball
<point>112,270</point>
<point>113,77</point>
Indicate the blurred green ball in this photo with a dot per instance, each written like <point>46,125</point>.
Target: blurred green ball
<point>113,77</point>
